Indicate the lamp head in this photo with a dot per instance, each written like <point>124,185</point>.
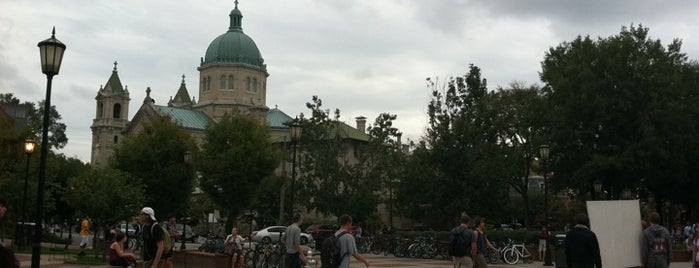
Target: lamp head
<point>51,54</point>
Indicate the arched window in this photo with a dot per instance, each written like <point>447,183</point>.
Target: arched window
<point>208,83</point>
<point>100,109</point>
<point>254,84</point>
<point>230,81</point>
<point>203,84</point>
<point>117,111</point>
<point>116,139</point>
<point>248,84</point>
<point>223,82</point>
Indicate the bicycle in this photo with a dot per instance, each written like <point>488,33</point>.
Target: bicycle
<point>512,254</point>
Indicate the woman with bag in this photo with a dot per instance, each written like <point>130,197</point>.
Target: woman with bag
<point>234,246</point>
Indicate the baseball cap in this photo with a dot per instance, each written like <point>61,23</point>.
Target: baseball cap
<point>150,212</point>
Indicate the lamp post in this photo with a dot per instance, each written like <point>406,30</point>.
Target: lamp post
<point>598,187</point>
<point>544,153</point>
<point>51,51</point>
<point>183,235</point>
<point>28,150</point>
<point>295,136</point>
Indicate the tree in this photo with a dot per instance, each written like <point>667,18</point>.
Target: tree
<point>156,156</point>
<point>237,155</point>
<point>519,125</point>
<point>460,153</point>
<point>106,195</point>
<point>622,109</point>
<point>338,179</point>
<point>57,136</point>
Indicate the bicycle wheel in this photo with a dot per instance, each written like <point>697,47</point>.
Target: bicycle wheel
<point>528,257</point>
<point>510,256</point>
<point>493,257</point>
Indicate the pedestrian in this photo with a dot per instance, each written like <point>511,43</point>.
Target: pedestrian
<point>543,236</point>
<point>235,241</point>
<point>3,207</point>
<point>7,257</point>
<point>84,235</point>
<point>153,245</point>
<point>171,227</point>
<point>581,245</point>
<point>693,245</point>
<point>117,256</point>
<point>295,256</point>
<point>348,246</point>
<point>655,248</point>
<point>463,231</point>
<point>482,244</point>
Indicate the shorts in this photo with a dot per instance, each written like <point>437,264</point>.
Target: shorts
<point>542,244</point>
<point>462,262</point>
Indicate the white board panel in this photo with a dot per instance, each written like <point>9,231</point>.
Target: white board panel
<point>617,225</point>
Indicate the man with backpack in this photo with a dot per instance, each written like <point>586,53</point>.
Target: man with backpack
<point>462,246</point>
<point>656,245</point>
<point>347,244</point>
<point>154,236</point>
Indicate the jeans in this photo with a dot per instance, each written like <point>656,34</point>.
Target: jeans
<point>293,260</point>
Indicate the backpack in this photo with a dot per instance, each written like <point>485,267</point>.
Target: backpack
<point>330,256</point>
<point>458,244</point>
<point>167,245</point>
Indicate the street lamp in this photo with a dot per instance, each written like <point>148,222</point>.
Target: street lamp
<point>183,235</point>
<point>28,150</point>
<point>598,186</point>
<point>51,57</point>
<point>295,136</point>
<point>544,153</point>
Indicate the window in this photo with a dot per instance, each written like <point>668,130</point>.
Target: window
<point>230,81</point>
<point>100,109</point>
<point>249,84</point>
<point>223,82</point>
<point>116,139</point>
<point>117,111</point>
<point>254,84</point>
<point>208,83</point>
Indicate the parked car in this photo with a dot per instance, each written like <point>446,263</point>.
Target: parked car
<point>189,233</point>
<point>275,233</point>
<point>320,231</point>
<point>131,230</point>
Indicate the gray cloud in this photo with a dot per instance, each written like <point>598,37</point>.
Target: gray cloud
<point>364,57</point>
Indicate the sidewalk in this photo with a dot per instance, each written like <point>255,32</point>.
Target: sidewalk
<point>374,260</point>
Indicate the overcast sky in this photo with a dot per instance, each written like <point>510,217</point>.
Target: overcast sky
<point>364,57</point>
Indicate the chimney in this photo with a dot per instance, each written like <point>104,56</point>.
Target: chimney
<point>361,123</point>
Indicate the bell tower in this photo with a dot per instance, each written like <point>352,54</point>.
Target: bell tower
<point>111,118</point>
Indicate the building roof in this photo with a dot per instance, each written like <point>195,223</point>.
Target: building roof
<point>348,132</point>
<point>185,118</point>
<point>113,86</point>
<point>277,119</point>
<point>234,46</point>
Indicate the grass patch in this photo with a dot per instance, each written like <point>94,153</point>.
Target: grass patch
<point>87,260</point>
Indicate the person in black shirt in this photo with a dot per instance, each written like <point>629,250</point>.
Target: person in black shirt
<point>153,246</point>
<point>582,247</point>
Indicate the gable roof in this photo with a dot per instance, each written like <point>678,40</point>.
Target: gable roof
<point>348,132</point>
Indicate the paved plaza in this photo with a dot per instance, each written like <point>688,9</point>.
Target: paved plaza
<point>374,260</point>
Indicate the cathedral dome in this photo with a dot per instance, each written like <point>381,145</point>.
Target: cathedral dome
<point>234,46</point>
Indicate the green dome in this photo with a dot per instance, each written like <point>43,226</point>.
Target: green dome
<point>234,46</point>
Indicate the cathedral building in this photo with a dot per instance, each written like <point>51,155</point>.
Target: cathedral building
<point>232,77</point>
